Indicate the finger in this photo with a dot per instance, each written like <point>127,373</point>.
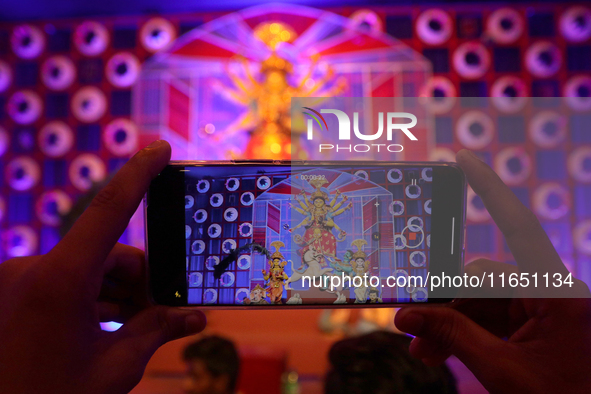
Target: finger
<point>496,315</point>
<point>108,311</point>
<point>112,289</point>
<point>117,312</point>
<point>496,308</point>
<point>490,271</point>
<point>450,332</point>
<point>488,305</point>
<point>434,361</point>
<point>423,348</point>
<point>141,336</point>
<point>125,263</point>
<point>481,266</point>
<point>525,236</point>
<point>124,277</point>
<point>86,246</point>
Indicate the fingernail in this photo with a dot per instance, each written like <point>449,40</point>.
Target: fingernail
<point>410,322</point>
<point>194,323</point>
<point>473,155</point>
<point>155,144</point>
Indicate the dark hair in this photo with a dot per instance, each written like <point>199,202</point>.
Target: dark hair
<point>380,363</point>
<point>218,354</point>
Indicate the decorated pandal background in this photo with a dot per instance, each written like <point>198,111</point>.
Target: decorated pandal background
<point>232,80</point>
<point>79,96</point>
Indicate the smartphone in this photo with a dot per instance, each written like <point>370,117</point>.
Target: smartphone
<point>259,234</point>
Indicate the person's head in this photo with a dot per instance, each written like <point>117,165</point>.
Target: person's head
<point>213,366</point>
<point>380,363</point>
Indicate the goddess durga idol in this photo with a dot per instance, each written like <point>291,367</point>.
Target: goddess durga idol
<point>320,212</point>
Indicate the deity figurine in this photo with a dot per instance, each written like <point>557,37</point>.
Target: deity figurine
<point>257,296</point>
<point>374,296</point>
<point>276,276</point>
<point>319,222</point>
<point>343,266</point>
<point>317,212</point>
<point>269,96</point>
<point>360,266</point>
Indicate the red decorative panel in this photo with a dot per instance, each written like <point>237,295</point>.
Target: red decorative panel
<point>178,111</point>
<point>274,216</point>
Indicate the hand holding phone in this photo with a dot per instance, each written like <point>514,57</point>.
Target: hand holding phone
<point>305,234</point>
<point>512,345</point>
<point>51,304</point>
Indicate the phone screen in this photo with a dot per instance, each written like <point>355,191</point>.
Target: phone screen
<point>264,235</point>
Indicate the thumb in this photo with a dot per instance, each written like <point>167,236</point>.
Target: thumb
<point>147,331</point>
<point>448,331</point>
